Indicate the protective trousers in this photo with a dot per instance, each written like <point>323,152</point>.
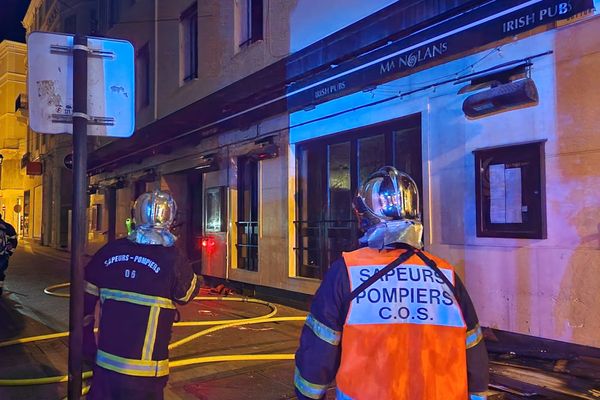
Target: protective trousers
<point>109,385</point>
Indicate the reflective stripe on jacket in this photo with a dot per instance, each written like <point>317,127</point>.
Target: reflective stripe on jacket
<point>144,365</point>
<point>137,286</point>
<point>404,336</point>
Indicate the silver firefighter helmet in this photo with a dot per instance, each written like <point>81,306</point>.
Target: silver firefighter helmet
<point>387,207</point>
<point>154,213</point>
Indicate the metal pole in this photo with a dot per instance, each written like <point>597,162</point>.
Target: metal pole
<point>79,215</point>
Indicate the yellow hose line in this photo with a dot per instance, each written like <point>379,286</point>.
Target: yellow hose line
<point>237,323</point>
<point>182,362</point>
<point>183,323</point>
<point>33,339</point>
<point>40,381</point>
<point>217,325</point>
<point>235,357</point>
<point>50,290</point>
<point>229,321</point>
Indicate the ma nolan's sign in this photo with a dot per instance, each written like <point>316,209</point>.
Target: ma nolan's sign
<point>473,29</point>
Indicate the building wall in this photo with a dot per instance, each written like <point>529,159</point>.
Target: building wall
<point>288,26</point>
<point>538,287</point>
<point>221,60</point>
<point>13,131</point>
<point>544,287</point>
<point>575,183</point>
<point>136,24</point>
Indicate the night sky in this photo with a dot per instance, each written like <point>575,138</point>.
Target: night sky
<point>11,15</point>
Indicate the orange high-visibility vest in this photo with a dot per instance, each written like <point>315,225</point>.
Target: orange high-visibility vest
<point>404,336</point>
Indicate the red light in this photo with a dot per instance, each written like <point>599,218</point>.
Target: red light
<point>208,243</point>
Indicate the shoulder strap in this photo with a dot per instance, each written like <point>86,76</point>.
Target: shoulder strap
<point>362,287</point>
<point>431,264</point>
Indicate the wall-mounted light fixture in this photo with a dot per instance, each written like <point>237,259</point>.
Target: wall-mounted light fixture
<point>207,162</point>
<point>266,149</point>
<point>507,89</point>
<point>501,98</point>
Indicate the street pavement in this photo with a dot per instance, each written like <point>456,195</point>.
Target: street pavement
<point>26,311</point>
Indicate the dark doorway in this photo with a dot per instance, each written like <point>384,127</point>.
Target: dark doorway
<point>330,171</point>
<point>247,224</point>
<point>195,227</point>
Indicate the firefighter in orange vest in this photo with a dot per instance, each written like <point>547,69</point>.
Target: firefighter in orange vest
<point>391,321</point>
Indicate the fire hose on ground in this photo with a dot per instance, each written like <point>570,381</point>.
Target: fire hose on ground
<point>217,325</point>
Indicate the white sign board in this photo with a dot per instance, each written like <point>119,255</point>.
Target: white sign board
<point>111,85</point>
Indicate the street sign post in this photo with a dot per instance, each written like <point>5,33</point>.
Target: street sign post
<point>110,80</point>
<point>79,85</point>
<point>80,91</point>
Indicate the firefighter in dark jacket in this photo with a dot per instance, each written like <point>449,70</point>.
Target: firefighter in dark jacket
<point>8,244</point>
<point>391,321</point>
<point>138,281</point>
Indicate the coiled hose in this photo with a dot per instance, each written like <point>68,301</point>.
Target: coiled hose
<point>216,326</point>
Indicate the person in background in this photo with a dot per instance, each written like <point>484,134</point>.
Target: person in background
<point>138,281</point>
<point>391,321</point>
<point>8,244</point>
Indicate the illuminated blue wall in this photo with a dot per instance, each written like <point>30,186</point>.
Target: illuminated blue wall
<point>313,20</point>
<point>545,288</point>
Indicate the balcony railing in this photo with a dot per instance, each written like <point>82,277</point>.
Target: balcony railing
<point>247,245</point>
<point>320,242</point>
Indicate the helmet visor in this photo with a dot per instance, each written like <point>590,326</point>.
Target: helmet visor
<point>155,209</point>
<point>391,195</point>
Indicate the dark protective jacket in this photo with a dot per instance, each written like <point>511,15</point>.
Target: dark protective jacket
<point>323,346</point>
<point>138,286</point>
<point>8,239</point>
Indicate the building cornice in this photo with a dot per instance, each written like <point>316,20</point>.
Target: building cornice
<point>8,46</point>
<point>30,14</point>
<point>21,79</point>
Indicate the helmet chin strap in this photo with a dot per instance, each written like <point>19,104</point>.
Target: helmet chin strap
<point>388,233</point>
